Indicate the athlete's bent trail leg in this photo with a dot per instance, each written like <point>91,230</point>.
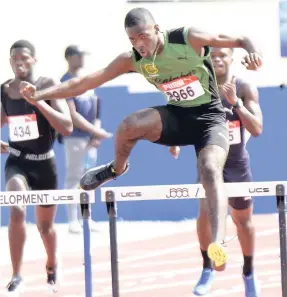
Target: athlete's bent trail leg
<point>45,222</point>
<point>17,229</point>
<point>144,124</point>
<point>211,160</point>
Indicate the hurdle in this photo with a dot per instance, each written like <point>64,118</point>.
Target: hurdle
<point>112,195</point>
<point>58,197</point>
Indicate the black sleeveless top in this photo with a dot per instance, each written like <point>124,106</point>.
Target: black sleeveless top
<point>237,150</point>
<point>19,111</point>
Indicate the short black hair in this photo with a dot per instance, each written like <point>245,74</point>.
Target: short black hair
<point>23,44</point>
<point>137,16</point>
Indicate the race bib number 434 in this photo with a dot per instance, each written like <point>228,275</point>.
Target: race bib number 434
<point>23,127</point>
<point>182,89</point>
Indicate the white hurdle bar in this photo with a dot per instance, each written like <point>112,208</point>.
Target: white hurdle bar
<point>112,195</point>
<point>165,192</point>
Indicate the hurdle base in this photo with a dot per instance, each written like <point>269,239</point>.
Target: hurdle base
<point>281,206</point>
<point>86,213</point>
<point>112,213</point>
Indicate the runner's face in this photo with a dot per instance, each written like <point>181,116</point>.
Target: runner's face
<point>21,61</point>
<point>221,60</point>
<point>76,61</point>
<point>144,38</point>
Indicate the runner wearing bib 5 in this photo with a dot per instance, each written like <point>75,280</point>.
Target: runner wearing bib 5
<point>243,112</point>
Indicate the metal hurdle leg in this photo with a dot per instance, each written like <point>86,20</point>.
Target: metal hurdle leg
<point>85,209</point>
<point>281,205</point>
<point>112,212</point>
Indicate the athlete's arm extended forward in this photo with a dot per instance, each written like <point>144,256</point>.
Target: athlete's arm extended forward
<point>199,39</point>
<point>77,86</point>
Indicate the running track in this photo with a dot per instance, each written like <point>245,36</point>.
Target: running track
<point>156,259</point>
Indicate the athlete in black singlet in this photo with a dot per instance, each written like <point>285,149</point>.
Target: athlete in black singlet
<point>31,162</point>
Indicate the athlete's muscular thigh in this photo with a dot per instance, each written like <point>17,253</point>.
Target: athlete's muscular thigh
<point>211,161</point>
<point>143,124</point>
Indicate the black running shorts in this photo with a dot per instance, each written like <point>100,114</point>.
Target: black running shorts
<point>199,126</point>
<point>40,175</point>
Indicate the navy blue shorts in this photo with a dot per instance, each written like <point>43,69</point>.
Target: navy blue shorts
<point>239,172</point>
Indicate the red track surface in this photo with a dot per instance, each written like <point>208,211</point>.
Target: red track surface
<point>167,266</point>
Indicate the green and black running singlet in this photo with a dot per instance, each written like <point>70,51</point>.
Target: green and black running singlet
<point>184,77</point>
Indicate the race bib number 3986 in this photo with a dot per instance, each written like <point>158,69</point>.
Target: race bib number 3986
<point>23,127</point>
<point>182,89</point>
